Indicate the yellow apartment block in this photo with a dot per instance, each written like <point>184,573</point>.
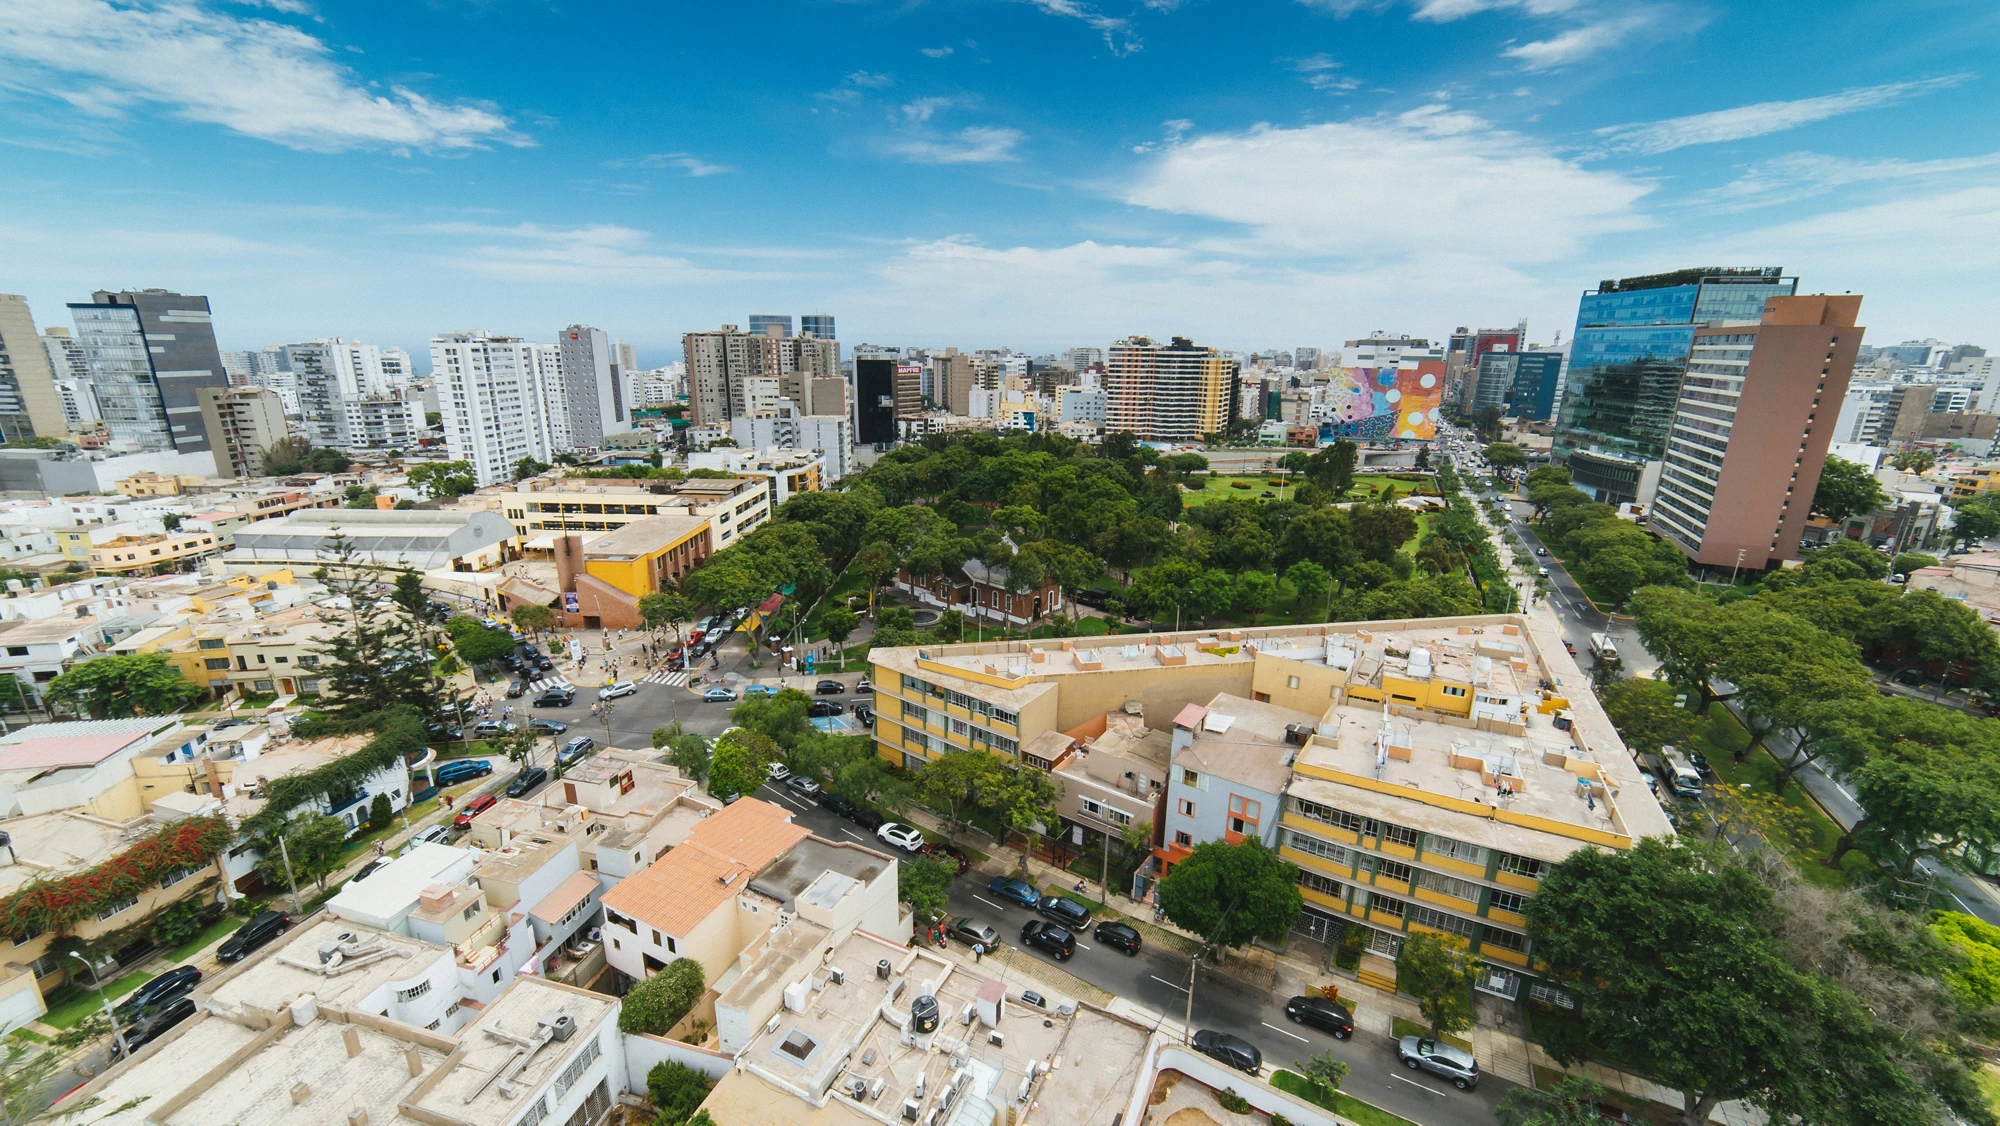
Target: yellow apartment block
<point>1449,768</point>
<point>141,553</point>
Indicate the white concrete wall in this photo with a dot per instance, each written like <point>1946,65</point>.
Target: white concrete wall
<point>643,1053</point>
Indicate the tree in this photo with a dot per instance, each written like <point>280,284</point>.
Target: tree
<point>676,1091</point>
<point>1439,971</point>
<point>374,657</point>
<point>1975,519</point>
<point>839,623</point>
<point>476,644</point>
<point>1910,562</point>
<point>1486,421</point>
<point>1689,636</point>
<point>172,521</point>
<point>443,479</point>
<point>1230,894</point>
<point>379,813</point>
<point>688,752</point>
<point>1323,1071</point>
<point>1255,591</point>
<point>285,457</point>
<point>1914,461</point>
<point>533,617</point>
<point>738,761</point>
<point>923,884</point>
<point>317,847</point>
<point>1505,455</point>
<point>653,1006</point>
<point>1308,581</point>
<point>1332,468</point>
<point>1024,799</point>
<point>528,467</point>
<point>781,717</point>
<point>26,1071</point>
<point>1213,591</point>
<point>663,608</point>
<point>1380,531</point>
<point>407,591</point>
<point>956,781</point>
<point>118,686</point>
<point>1573,1102</point>
<point>1645,714</point>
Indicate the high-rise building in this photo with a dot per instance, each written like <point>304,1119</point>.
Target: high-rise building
<point>1627,357</point>
<point>770,324</point>
<point>628,356</point>
<point>1077,359</point>
<point>151,352</point>
<point>717,364</point>
<point>952,380</point>
<point>1519,384</point>
<point>29,405</point>
<point>733,374</point>
<point>875,401</point>
<point>489,392</point>
<point>594,398</point>
<point>909,388</point>
<point>243,422</point>
<point>819,326</point>
<point>1177,392</point>
<point>1306,359</point>
<point>1748,442</point>
<point>65,354</point>
<point>329,373</point>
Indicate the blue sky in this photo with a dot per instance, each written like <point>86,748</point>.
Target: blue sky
<point>1040,173</point>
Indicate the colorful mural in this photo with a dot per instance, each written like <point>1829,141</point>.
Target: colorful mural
<point>1386,403</point>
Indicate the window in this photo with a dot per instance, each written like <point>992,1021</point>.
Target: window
<point>17,650</point>
<point>915,714</point>
<point>1507,901</point>
<point>1325,850</point>
<point>1522,866</point>
<point>1435,845</point>
<point>176,875</point>
<point>1550,995</point>
<point>671,947</point>
<point>1012,719</point>
<point>1291,682</point>
<point>1449,885</point>
<point>1185,808</point>
<point>1181,838</point>
<point>1396,834</point>
<point>1438,920</point>
<point>1504,939</point>
<point>472,909</point>
<point>115,907</point>
<point>1339,818</point>
<point>45,965</point>
<point>1393,872</point>
<point>1118,816</point>
<point>414,991</point>
<point>1091,807</point>
<point>1388,905</point>
<point>1313,881</point>
<point>216,663</point>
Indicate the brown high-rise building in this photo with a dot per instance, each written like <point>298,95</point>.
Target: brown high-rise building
<point>952,380</point>
<point>1747,444</point>
<point>1177,392</point>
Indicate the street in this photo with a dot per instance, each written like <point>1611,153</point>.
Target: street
<point>1157,978</point>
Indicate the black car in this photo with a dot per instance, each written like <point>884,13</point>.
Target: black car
<point>527,780</point>
<point>510,662</point>
<point>1235,1051</point>
<point>831,688</point>
<point>822,708</point>
<point>155,1024</point>
<point>1322,1014</point>
<point>547,726</point>
<point>1049,937</point>
<point>262,928</point>
<point>517,690</point>
<point>162,990</point>
<point>865,714</point>
<point>828,800</point>
<point>1068,912</point>
<point>1700,763</point>
<point>868,819</point>
<point>543,664</point>
<point>1118,935</point>
<point>445,732</point>
<point>558,697</point>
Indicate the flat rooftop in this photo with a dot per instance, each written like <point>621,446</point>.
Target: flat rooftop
<point>790,875</point>
<point>643,537</point>
<point>65,842</point>
<point>1242,740</point>
<point>281,972</point>
<point>465,1092</point>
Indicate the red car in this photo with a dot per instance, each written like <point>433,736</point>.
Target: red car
<point>948,854</point>
<point>472,809</point>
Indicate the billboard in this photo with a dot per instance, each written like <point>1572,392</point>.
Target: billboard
<point>1384,404</point>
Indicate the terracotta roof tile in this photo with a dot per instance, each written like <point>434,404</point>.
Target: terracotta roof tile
<point>716,861</point>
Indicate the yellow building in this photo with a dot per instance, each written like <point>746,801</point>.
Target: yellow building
<point>143,553</point>
<point>149,484</point>
<point>1974,481</point>
<point>1175,392</point>
<point>650,553</point>
<point>1430,781</point>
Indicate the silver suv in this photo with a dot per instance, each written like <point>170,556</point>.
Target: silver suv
<point>1439,1058</point>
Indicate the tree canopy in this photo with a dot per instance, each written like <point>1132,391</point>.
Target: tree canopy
<point>117,686</point>
<point>1232,893</point>
<point>1846,489</point>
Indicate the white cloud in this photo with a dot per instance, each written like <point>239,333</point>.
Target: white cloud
<point>868,81</point>
<point>1801,175</point>
<point>1117,32</point>
<point>253,76</point>
<point>935,52</point>
<point>600,254</point>
<point>687,162</point>
<point>1444,11</point>
<point>292,7</point>
<point>923,109</point>
<point>1763,117</point>
<point>1579,43</point>
<point>1390,186</point>
<point>1317,71</point>
<point>977,144</point>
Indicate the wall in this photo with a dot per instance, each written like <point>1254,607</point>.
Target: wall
<point>643,1053</point>
<point>1168,1056</point>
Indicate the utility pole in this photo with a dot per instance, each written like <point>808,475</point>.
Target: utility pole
<point>298,907</point>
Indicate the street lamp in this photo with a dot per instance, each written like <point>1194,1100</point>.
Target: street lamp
<point>117,1034</point>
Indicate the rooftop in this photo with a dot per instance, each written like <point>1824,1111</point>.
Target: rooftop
<point>809,861</point>
<point>464,1089</point>
<point>680,889</point>
<point>64,842</point>
<point>1242,740</point>
<point>644,537</point>
<point>272,978</point>
<point>395,886</point>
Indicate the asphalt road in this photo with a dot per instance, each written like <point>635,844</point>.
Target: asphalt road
<point>1157,978</point>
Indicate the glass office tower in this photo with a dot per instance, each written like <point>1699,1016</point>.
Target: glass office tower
<point>1626,361</point>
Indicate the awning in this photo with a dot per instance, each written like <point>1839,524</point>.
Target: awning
<point>578,888</point>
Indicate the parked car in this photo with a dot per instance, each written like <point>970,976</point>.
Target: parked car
<point>864,684</point>
<point>834,803</point>
<point>488,728</point>
<point>472,809</point>
<point>1541,551</point>
<point>905,837</point>
<point>464,770</point>
<point>777,771</point>
<point>1118,936</point>
<point>1013,889</point>
<point>527,780</point>
<point>867,818</point>
<point>1320,1013</point>
<point>429,834</point>
<point>547,726</point>
<point>830,688</point>
<point>1439,1058</point>
<point>801,785</point>
<point>561,696</point>
<point>262,928</point>
<point>543,663</point>
<point>971,933</point>
<point>576,750</point>
<point>750,690</point>
<point>1068,912</point>
<point>1700,763</point>
<point>368,869</point>
<point>162,990</point>
<point>1235,1051</point>
<point>155,1024</point>
<point>865,715</point>
<point>436,732</point>
<point>616,689</point>
<point>937,850</point>
<point>517,689</point>
<point>1050,937</point>
<point>717,695</point>
<point>821,709</point>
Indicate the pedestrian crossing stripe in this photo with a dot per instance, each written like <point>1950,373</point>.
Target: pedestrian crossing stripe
<point>671,679</point>
<point>548,682</point>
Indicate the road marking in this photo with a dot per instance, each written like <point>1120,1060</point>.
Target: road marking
<point>1081,946</point>
<point>1164,981</point>
<point>989,902</point>
<point>855,835</point>
<point>1291,1034</point>
<point>1414,1083</point>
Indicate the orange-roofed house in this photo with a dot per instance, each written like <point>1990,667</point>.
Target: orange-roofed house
<point>716,893</point>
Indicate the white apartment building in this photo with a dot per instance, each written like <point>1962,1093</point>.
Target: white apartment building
<point>829,435</point>
<point>387,422</point>
<point>1381,350</point>
<point>595,400</point>
<point>491,400</point>
<point>328,373</point>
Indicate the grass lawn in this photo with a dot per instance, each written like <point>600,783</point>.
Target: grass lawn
<point>29,1035</point>
<point>1339,1102</point>
<point>213,932</point>
<point>1401,1028</point>
<point>1224,488</point>
<point>86,1001</point>
<point>415,814</point>
<point>1989,1085</point>
<point>1723,737</point>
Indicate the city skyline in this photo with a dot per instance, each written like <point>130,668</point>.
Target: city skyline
<point>1038,174</point>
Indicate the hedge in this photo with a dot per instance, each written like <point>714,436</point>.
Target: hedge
<point>57,903</point>
<point>397,732</point>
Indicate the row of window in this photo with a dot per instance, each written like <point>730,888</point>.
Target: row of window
<point>1432,844</point>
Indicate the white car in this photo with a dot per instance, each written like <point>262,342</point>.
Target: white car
<point>905,837</point>
<point>616,689</point>
<point>778,771</point>
<point>864,685</point>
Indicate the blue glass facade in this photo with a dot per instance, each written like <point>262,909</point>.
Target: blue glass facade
<point>1536,376</point>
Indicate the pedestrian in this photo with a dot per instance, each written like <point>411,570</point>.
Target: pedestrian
<point>978,952</point>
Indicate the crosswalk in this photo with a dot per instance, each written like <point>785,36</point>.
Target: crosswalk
<point>548,682</point>
<point>670,679</point>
